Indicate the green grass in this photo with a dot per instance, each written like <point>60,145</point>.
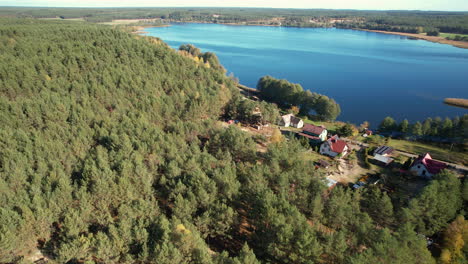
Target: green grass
<point>314,156</point>
<point>451,35</point>
<point>436,152</point>
<point>328,125</point>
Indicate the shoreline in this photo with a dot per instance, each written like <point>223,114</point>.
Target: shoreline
<point>441,40</point>
<point>141,29</point>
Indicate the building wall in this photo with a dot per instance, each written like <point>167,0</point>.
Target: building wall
<point>300,124</point>
<point>345,150</point>
<point>323,136</point>
<point>283,123</point>
<point>325,150</point>
<point>419,170</point>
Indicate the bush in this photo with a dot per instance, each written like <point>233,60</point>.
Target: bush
<point>434,32</point>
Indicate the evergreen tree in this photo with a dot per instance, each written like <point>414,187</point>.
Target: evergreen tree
<point>404,125</point>
<point>417,129</point>
<point>387,125</point>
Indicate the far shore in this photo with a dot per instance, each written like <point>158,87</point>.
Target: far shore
<point>441,40</point>
<point>458,44</point>
<point>141,30</point>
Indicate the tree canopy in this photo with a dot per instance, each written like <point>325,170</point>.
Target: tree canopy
<point>288,94</point>
<point>112,151</point>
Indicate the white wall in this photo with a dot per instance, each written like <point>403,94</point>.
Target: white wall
<point>300,124</point>
<point>325,150</point>
<point>419,170</point>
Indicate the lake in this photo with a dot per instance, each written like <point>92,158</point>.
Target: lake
<point>370,75</point>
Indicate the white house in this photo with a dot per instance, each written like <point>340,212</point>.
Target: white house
<point>334,147</point>
<point>291,120</point>
<point>425,166</point>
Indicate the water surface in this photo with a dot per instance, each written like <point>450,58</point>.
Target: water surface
<point>370,75</point>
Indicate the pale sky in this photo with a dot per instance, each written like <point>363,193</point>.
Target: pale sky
<point>449,5</point>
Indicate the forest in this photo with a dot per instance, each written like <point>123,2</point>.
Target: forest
<point>436,128</point>
<point>400,21</point>
<point>112,151</point>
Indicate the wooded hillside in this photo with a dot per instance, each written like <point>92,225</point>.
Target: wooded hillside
<point>111,152</point>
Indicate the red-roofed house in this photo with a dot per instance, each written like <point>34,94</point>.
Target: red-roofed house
<point>425,166</point>
<point>334,146</point>
<point>315,132</point>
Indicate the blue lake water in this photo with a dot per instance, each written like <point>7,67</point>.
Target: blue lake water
<point>370,75</point>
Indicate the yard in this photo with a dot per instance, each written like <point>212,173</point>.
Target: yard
<point>330,126</point>
<point>444,154</point>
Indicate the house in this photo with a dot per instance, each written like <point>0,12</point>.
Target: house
<point>318,133</point>
<point>383,154</point>
<point>425,166</point>
<point>334,147</point>
<point>367,133</point>
<point>291,120</point>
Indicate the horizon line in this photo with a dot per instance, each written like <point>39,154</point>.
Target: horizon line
<point>229,7</point>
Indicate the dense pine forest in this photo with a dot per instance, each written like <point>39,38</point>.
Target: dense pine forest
<point>112,151</point>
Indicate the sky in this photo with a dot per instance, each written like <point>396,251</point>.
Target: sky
<point>443,5</point>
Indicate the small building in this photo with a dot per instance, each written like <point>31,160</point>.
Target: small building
<point>316,132</point>
<point>383,154</point>
<point>383,151</point>
<point>367,133</point>
<point>290,120</point>
<point>384,159</point>
<point>334,147</point>
<point>425,166</point>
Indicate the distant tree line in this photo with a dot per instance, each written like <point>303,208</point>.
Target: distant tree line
<point>288,94</point>
<point>456,127</point>
<point>400,21</point>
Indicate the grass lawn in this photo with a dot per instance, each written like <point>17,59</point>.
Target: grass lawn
<point>436,152</point>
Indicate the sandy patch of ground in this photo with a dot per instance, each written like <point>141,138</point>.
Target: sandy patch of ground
<point>459,44</point>
<point>346,173</point>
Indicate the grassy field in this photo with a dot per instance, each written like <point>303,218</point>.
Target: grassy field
<point>451,35</point>
<point>436,152</point>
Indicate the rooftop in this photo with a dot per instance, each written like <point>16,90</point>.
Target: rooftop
<point>384,150</point>
<point>309,128</point>
<point>433,166</point>
<point>337,145</point>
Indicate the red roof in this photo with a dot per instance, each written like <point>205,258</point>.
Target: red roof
<point>433,166</point>
<point>317,130</point>
<point>309,136</point>
<point>336,145</point>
